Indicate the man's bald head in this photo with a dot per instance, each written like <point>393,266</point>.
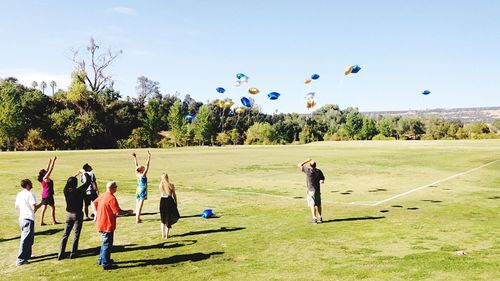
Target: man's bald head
<point>312,163</point>
<point>111,186</point>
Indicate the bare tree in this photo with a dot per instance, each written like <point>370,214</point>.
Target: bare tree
<point>34,84</point>
<point>146,89</point>
<point>53,85</point>
<point>94,63</point>
<point>43,86</point>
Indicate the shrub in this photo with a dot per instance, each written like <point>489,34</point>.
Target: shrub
<point>381,137</point>
<point>35,141</point>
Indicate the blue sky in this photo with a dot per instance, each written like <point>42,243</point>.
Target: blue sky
<point>404,47</point>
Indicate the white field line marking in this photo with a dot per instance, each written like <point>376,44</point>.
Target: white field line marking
<point>433,183</point>
<point>269,195</point>
<point>363,203</point>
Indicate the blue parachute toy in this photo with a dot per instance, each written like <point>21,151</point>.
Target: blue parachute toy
<point>315,76</point>
<point>220,90</point>
<point>273,95</point>
<point>240,75</point>
<point>207,213</point>
<point>189,117</point>
<point>246,102</point>
<point>426,92</point>
<point>355,69</point>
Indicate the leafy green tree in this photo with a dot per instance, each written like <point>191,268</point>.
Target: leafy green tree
<point>259,133</point>
<point>203,125</point>
<point>437,127</point>
<point>331,116</point>
<point>13,121</point>
<point>369,128</point>
<point>34,141</point>
<point>354,123</point>
<point>410,128</point>
<point>387,126</point>
<point>152,122</point>
<point>176,122</point>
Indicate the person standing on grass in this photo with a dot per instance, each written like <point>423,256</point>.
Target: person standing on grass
<point>314,177</point>
<point>141,193</point>
<point>92,191</point>
<point>27,206</point>
<point>48,190</point>
<point>106,209</point>
<point>74,219</point>
<point>169,213</point>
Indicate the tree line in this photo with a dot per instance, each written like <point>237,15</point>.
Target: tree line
<point>91,114</point>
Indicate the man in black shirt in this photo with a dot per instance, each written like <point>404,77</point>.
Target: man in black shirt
<point>74,202</point>
<point>314,177</point>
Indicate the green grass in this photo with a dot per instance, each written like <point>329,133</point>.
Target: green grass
<point>263,230</point>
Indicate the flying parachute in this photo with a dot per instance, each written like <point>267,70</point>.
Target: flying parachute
<point>189,117</point>
<point>240,110</point>
<point>352,69</point>
<point>310,104</point>
<point>273,95</point>
<point>246,102</point>
<point>228,104</point>
<point>242,78</point>
<point>307,81</point>
<point>310,95</point>
<point>426,92</point>
<point>315,76</point>
<point>220,90</point>
<point>253,91</point>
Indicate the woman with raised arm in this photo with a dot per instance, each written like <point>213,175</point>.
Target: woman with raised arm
<point>168,205</point>
<point>141,193</point>
<point>48,190</point>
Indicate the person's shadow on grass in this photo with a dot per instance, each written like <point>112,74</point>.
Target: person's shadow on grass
<point>208,231</point>
<point>194,257</point>
<point>355,219</point>
<point>118,249</point>
<point>44,232</point>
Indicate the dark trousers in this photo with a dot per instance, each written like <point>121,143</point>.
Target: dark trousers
<point>27,240</point>
<point>73,221</point>
<point>107,244</point>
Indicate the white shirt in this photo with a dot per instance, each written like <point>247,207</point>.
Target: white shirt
<point>83,179</point>
<point>24,202</point>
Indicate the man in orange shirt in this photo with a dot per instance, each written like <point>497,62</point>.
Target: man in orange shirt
<point>106,209</point>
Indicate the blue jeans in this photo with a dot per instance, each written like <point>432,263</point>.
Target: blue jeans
<point>107,244</point>
<point>27,240</point>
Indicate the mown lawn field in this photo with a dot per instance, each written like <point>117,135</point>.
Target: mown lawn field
<point>262,230</point>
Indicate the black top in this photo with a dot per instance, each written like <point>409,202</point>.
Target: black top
<point>74,197</point>
<point>313,178</point>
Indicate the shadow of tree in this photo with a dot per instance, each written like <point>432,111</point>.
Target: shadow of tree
<point>194,257</point>
<point>355,219</point>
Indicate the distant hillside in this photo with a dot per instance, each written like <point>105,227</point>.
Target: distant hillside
<point>473,114</point>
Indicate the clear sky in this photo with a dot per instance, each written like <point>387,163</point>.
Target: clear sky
<point>450,47</point>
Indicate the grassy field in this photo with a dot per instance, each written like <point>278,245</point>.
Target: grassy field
<point>263,229</point>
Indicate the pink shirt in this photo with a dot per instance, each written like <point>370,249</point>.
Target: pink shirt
<point>47,188</point>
